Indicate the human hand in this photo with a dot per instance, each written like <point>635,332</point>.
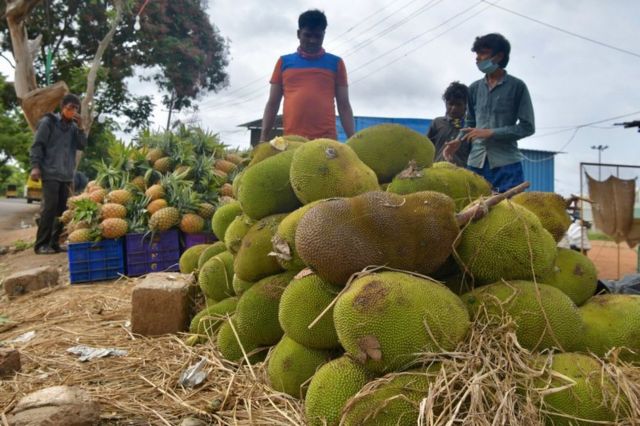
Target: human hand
<point>472,133</point>
<point>450,149</point>
<point>35,174</point>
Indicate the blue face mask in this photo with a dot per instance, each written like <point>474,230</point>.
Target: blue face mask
<point>487,66</point>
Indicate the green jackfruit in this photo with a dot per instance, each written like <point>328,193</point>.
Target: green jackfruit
<point>215,277</point>
<point>388,149</point>
<point>240,286</point>
<point>236,231</point>
<point>223,216</point>
<point>550,208</point>
<point>189,259</point>
<point>253,262</point>
<point>213,249</point>
<point>207,321</point>
<point>574,274</point>
<point>265,150</point>
<point>324,168</point>
<point>231,348</point>
<point>284,245</point>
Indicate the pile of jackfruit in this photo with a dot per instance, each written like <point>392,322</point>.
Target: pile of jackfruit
<point>342,265</point>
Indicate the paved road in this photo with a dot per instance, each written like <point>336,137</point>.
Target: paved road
<point>16,213</point>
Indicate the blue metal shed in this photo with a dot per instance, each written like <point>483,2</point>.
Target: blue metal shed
<point>538,166</point>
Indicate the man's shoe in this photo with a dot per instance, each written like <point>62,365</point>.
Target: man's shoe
<point>45,250</point>
<point>62,248</point>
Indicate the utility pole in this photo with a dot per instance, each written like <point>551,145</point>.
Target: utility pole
<point>600,148</point>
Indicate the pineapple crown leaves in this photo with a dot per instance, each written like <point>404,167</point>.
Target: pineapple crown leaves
<point>137,214</point>
<point>110,176</point>
<point>86,210</point>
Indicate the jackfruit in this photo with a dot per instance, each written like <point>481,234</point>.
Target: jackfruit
<point>231,346</point>
<point>303,300</point>
<point>589,396</point>
<point>280,144</point>
<point>550,208</point>
<point>215,277</point>
<point>508,243</point>
<point>189,259</point>
<point>265,188</point>
<point>253,262</point>
<point>388,148</point>
<point>291,365</point>
<point>284,247</point>
<point>240,286</point>
<point>324,168</point>
<point>393,400</point>
<point>574,274</point>
<point>207,321</point>
<point>236,231</point>
<point>223,216</point>
<point>331,387</point>
<point>385,320</point>
<point>612,321</point>
<point>544,316</point>
<point>213,249</point>
<point>257,310</point>
<point>414,232</point>
<point>459,183</point>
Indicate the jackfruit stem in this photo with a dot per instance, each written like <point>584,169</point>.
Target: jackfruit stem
<point>481,208</point>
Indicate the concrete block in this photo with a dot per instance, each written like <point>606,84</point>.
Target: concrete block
<point>9,362</point>
<point>30,280</point>
<point>57,405</point>
<point>162,303</point>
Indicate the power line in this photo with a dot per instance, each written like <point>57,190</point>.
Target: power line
<point>562,30</point>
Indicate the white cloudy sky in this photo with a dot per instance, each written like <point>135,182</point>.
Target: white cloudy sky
<point>401,54</point>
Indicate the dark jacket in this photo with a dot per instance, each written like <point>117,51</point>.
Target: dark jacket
<point>54,148</point>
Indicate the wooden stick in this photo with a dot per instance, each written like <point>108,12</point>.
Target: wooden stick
<point>480,209</point>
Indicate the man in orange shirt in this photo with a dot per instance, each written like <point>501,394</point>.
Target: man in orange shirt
<point>309,80</point>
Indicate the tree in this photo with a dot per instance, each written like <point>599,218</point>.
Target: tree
<point>182,50</point>
<point>15,136</point>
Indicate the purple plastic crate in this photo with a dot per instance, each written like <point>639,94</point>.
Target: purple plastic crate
<point>99,261</point>
<point>190,240</point>
<point>147,254</point>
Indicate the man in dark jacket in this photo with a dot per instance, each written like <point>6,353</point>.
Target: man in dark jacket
<point>53,159</point>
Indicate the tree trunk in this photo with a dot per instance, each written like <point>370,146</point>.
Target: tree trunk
<point>25,76</point>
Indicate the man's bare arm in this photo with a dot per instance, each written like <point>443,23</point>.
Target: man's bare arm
<point>270,111</point>
<point>344,110</point>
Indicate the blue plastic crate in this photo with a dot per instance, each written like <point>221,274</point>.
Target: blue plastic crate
<point>99,261</point>
<point>147,253</point>
<point>190,240</point>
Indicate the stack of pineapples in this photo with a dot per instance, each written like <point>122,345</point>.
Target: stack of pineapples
<point>164,180</point>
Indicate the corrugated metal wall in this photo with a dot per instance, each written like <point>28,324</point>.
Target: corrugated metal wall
<point>538,165</point>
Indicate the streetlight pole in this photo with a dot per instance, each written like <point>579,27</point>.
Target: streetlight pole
<point>600,148</point>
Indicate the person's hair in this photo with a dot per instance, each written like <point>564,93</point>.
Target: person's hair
<point>496,43</point>
<point>456,90</point>
<point>312,19</point>
<point>70,98</point>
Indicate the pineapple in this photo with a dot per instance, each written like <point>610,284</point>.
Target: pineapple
<point>206,210</point>
<point>154,155</point>
<point>224,165</point>
<point>164,219</point>
<point>163,165</point>
<point>97,196</point>
<point>118,196</point>
<point>138,182</point>
<point>234,158</point>
<point>155,191</point>
<point>66,216</point>
<point>114,228</point>
<point>226,190</point>
<point>156,205</point>
<point>191,223</point>
<point>113,210</point>
<point>82,235</point>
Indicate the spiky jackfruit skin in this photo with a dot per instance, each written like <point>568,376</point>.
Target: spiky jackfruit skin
<point>414,232</point>
<point>236,231</point>
<point>231,348</point>
<point>223,217</point>
<point>388,148</point>
<point>589,395</point>
<point>331,387</point>
<point>284,242</point>
<point>302,302</point>
<point>324,168</point>
<point>207,321</point>
<point>508,243</point>
<point>461,184</point>
<point>257,311</point>
<point>393,400</point>
<point>210,251</point>
<point>291,365</point>
<point>215,277</point>
<point>252,262</point>
<point>612,320</point>
<point>387,319</point>
<point>189,259</point>
<point>240,286</point>
<point>550,208</point>
<point>545,317</point>
<point>266,187</point>
<point>264,150</point>
<point>574,274</point>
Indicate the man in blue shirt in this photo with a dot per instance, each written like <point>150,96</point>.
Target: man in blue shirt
<point>498,115</point>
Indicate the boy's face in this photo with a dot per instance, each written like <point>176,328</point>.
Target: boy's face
<point>70,110</point>
<point>311,39</point>
<point>456,108</point>
<point>486,53</point>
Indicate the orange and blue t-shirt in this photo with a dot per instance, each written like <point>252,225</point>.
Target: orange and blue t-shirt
<point>309,88</point>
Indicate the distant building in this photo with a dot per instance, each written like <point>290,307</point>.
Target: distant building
<point>538,165</point>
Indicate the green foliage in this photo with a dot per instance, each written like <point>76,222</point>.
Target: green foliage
<point>15,135</point>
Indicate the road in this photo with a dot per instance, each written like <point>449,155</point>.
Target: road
<point>15,213</point>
